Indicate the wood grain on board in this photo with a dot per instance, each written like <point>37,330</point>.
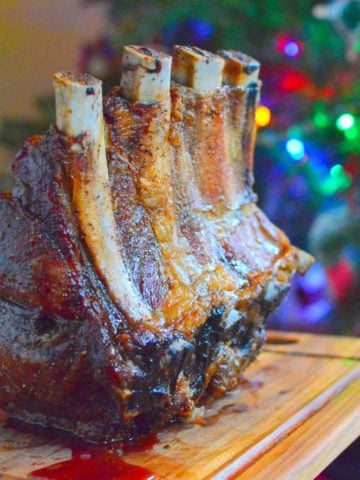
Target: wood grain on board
<point>310,344</point>
<point>295,413</point>
<point>313,446</point>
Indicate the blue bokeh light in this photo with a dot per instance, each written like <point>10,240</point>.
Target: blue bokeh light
<point>201,29</point>
<point>295,148</point>
<point>292,49</point>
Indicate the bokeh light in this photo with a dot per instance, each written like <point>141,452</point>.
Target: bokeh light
<point>292,49</point>
<point>295,148</point>
<point>321,120</point>
<point>352,133</point>
<point>345,121</point>
<point>287,45</point>
<point>263,116</point>
<point>338,180</point>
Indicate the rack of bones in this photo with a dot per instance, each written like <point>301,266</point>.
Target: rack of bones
<point>136,269</point>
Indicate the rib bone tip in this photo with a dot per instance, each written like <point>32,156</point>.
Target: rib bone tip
<point>78,99</point>
<point>145,74</point>
<point>76,79</point>
<point>197,68</point>
<point>240,69</point>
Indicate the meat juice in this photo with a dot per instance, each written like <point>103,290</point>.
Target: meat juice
<point>99,463</point>
<point>93,464</point>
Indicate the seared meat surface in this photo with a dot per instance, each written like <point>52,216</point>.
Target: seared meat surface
<point>136,271</point>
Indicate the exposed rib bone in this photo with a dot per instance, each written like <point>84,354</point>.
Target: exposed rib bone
<point>145,74</point>
<point>202,71</point>
<point>150,157</point>
<point>240,69</point>
<point>192,294</point>
<point>79,111</point>
<point>141,83</point>
<point>197,68</point>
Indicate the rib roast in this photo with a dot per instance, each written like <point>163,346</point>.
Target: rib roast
<point>136,270</point>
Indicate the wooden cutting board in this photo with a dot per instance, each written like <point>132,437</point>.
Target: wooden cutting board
<point>297,411</point>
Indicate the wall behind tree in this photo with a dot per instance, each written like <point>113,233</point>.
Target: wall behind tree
<point>38,38</point>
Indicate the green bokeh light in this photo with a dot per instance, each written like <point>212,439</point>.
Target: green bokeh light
<point>336,170</point>
<point>321,120</point>
<point>352,133</point>
<point>345,121</point>
<point>337,181</point>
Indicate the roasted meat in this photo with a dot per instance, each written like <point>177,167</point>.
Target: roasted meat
<point>136,271</point>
